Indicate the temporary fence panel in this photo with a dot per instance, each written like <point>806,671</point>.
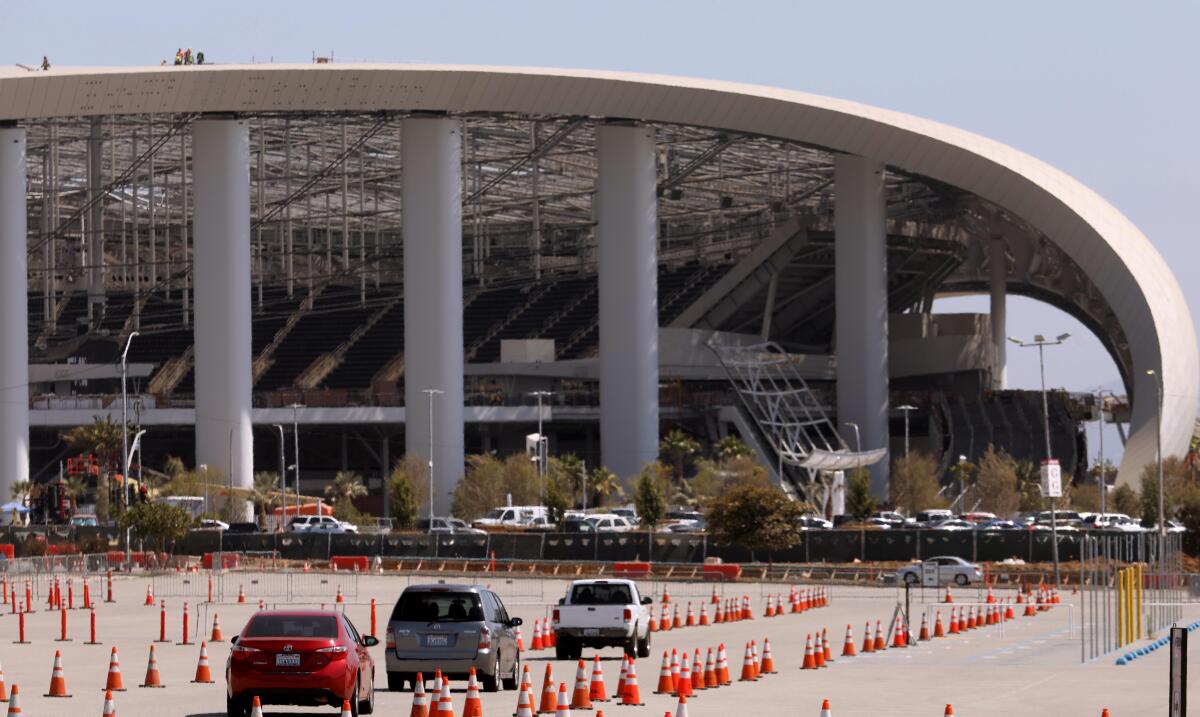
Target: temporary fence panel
<point>189,585</point>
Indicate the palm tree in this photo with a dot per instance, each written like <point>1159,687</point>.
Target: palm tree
<point>101,437</point>
<point>21,491</point>
<point>677,446</point>
<point>730,447</point>
<point>603,484</point>
<point>346,486</point>
<point>264,492</point>
<point>75,489</point>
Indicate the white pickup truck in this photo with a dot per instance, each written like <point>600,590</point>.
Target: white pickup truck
<point>602,613</point>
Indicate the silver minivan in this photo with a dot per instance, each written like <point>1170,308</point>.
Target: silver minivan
<point>452,628</point>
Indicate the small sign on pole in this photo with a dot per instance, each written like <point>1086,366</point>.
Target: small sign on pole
<point>1051,479</point>
<point>1177,696</point>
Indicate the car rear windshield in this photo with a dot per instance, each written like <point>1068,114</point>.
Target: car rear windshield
<point>596,594</point>
<point>292,626</point>
<point>431,606</point>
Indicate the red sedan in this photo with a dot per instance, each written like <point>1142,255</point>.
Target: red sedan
<point>300,657</point>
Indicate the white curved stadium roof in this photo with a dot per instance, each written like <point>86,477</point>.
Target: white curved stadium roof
<point>1132,276</point>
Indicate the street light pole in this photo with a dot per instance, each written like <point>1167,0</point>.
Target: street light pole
<point>543,447</point>
<point>1103,469</point>
<point>1041,343</point>
<point>431,392</point>
<point>1162,523</point>
<point>857,437</point>
<point>282,478</point>
<point>125,419</point>
<point>296,453</point>
<point>906,408</point>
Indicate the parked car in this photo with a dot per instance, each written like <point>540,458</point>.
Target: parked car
<point>608,523</point>
<point>1060,525</point>
<point>602,613</point>
<point>952,524</point>
<point>86,520</point>
<point>950,569</point>
<point>1000,525</point>
<point>1174,526</point>
<point>320,524</point>
<point>813,522</point>
<point>892,518</point>
<point>300,657</point>
<point>926,518</point>
<point>979,517</point>
<point>242,528</point>
<point>688,526</point>
<point>1111,521</point>
<point>447,526</point>
<point>452,628</point>
<point>576,524</point>
<point>1068,517</point>
<point>211,524</point>
<point>512,516</point>
<point>628,513</point>
<point>878,523</point>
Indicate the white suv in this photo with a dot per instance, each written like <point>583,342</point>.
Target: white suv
<point>320,524</point>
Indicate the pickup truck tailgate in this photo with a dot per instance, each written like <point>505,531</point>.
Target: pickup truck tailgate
<point>592,616</point>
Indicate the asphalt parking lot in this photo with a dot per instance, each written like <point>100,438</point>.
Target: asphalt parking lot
<point>1033,667</point>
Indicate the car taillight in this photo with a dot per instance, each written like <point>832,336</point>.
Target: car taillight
<point>555,616</point>
<point>337,652</point>
<point>243,652</point>
<point>628,614</point>
<point>391,640</point>
<point>485,638</point>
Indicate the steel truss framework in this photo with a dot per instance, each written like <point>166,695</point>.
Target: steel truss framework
<point>110,209</point>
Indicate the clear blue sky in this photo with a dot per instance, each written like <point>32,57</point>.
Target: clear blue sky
<point>1107,91</point>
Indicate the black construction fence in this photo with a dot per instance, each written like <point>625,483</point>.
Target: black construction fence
<point>829,546</point>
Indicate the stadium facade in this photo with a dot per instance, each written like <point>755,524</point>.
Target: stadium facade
<point>326,244</point>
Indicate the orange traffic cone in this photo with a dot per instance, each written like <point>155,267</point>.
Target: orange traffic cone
<point>848,646</point>
<point>825,711</point>
<point>938,630</point>
<point>680,708</point>
<point>953,630</point>
<point>58,681</point>
<point>472,707</point>
<point>632,695</point>
<point>690,621</point>
<point>1104,712</point>
<point>962,619</point>
<point>203,673</point>
<point>114,673</point>
<point>747,666</point>
<point>339,599</point>
<point>868,642</point>
<point>677,621</point>
<point>149,596</point>
<point>1008,611</point>
<point>710,671</point>
<point>949,711</point>
<point>241,594</point>
<point>810,660</point>
<point>581,698</point>
<point>3,698</point>
<point>768,662</point>
<point>110,707</point>
<point>703,615</point>
<point>819,652</point>
<point>520,639</point>
<point>826,653</point>
<point>666,682</point>
<point>723,677</point>
<point>697,672</point>
<point>596,689</point>
<point>683,686</point>
<point>216,630</point>
<point>880,642</point>
<point>990,597</point>
<point>620,694</point>
<point>549,697</point>
<point>256,707</point>
<point>562,708</point>
<point>923,635</point>
<point>524,704</point>
<point>420,703</point>
<point>152,676</point>
<point>14,701</point>
<point>898,633</point>
<point>445,705</point>
<point>949,598</point>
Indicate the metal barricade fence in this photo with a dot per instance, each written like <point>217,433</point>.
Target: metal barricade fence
<point>186,585</point>
<point>322,585</point>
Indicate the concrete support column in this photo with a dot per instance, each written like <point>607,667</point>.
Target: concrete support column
<point>860,250</point>
<point>431,152</point>
<point>999,277</point>
<point>221,264</point>
<point>627,239</point>
<point>14,358</point>
<point>95,217</point>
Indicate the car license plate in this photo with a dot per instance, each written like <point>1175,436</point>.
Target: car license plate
<point>291,660</point>
<point>437,640</point>
<point>591,631</point>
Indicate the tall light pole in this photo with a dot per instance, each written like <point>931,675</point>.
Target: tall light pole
<point>1041,343</point>
<point>125,419</point>
<point>543,446</point>
<point>296,453</point>
<point>1162,523</point>
<point>1103,469</point>
<point>906,408</point>
<point>431,392</point>
<point>857,437</point>
<point>282,477</point>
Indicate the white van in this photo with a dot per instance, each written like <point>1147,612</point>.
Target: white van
<point>513,516</point>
